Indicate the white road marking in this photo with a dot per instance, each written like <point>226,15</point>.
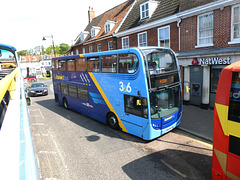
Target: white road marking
<point>58,150</point>
<point>41,135</point>
<point>38,124</point>
<point>47,152</point>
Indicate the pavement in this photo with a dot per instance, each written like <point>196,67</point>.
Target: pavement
<point>197,121</point>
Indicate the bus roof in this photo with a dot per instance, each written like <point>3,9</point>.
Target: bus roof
<point>8,47</point>
<point>234,67</point>
<point>104,52</point>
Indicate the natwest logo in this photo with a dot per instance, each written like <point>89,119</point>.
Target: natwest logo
<point>211,61</point>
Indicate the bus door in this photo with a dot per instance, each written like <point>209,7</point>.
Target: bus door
<point>136,111</point>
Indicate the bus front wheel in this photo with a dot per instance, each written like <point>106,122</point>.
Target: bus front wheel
<point>112,121</point>
<point>65,103</point>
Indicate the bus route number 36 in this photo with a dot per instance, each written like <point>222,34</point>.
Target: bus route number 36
<point>124,88</point>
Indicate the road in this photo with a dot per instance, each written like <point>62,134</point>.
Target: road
<point>70,146</point>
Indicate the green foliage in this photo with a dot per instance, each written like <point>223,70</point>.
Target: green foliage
<point>22,53</point>
<point>60,50</point>
<point>63,48</point>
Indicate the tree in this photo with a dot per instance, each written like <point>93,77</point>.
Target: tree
<point>63,48</point>
<point>22,53</point>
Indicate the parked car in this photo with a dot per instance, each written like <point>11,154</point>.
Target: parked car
<point>31,78</point>
<point>37,89</point>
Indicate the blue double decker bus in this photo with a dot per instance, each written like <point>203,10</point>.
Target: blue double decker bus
<point>136,90</point>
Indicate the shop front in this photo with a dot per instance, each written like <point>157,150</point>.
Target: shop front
<point>201,71</point>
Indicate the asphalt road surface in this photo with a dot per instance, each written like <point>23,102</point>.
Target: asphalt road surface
<point>70,146</point>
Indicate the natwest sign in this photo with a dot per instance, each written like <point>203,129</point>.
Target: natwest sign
<point>211,61</point>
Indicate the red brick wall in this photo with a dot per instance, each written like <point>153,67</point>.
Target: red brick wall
<point>221,31</point>
<point>152,37</point>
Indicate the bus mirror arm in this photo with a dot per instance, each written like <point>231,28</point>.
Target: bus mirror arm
<point>139,94</point>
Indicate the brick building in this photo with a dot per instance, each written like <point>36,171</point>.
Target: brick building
<point>204,34</point>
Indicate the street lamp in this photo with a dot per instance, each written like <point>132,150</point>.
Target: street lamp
<point>44,38</point>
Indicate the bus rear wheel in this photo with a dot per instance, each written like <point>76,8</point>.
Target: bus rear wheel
<point>65,103</point>
<point>112,121</point>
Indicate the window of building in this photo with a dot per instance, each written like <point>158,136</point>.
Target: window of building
<point>23,59</point>
<point>77,51</point>
<point>110,45</point>
<point>107,28</point>
<point>205,30</point>
<point>83,50</point>
<point>94,31</point>
<point>99,46</point>
<point>80,64</point>
<point>164,36</point>
<point>142,39</point>
<point>93,64</point>
<point>235,24</point>
<point>90,49</point>
<point>144,10</point>
<point>128,63</point>
<point>125,42</point>
<point>109,63</point>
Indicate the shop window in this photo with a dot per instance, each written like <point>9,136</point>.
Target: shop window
<point>93,64</point>
<point>128,63</point>
<point>215,74</point>
<point>80,64</point>
<point>109,63</point>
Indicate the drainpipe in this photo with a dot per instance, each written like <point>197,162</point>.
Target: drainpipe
<point>179,31</point>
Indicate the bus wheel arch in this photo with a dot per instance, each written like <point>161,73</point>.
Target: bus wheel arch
<point>112,120</point>
<point>65,102</point>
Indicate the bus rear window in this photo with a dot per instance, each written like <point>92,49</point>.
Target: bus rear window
<point>234,100</point>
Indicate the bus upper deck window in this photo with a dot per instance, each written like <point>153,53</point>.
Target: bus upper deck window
<point>109,63</point>
<point>81,64</point>
<point>93,64</point>
<point>62,65</point>
<point>55,65</point>
<point>128,63</point>
<point>71,65</point>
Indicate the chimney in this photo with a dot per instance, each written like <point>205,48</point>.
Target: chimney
<point>91,14</point>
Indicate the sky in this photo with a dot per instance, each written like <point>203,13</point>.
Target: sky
<point>23,23</point>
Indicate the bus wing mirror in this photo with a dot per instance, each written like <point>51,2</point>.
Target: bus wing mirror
<point>28,100</point>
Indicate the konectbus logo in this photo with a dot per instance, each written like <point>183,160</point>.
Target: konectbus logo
<point>235,94</point>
